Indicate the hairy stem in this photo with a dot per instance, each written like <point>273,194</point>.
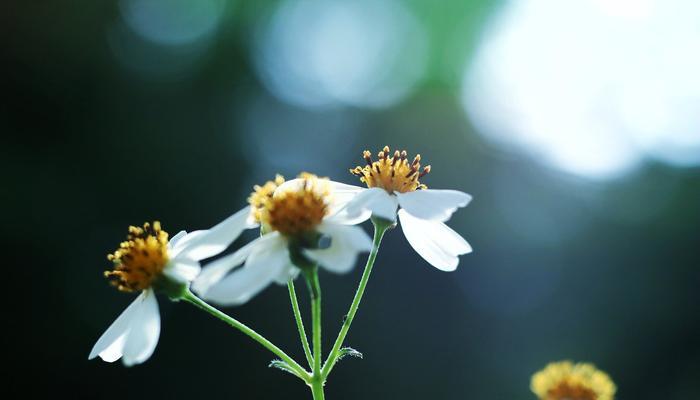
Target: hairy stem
<point>300,323</point>
<point>317,379</point>
<point>380,227</point>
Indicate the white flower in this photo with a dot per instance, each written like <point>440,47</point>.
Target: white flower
<point>146,262</point>
<point>393,182</point>
<point>294,214</point>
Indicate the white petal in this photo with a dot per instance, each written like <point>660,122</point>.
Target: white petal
<point>182,269</point>
<point>143,336</point>
<point>342,194</point>
<point>434,241</point>
<point>433,204</point>
<point>346,243</point>
<point>172,244</point>
<point>343,217</point>
<point>114,351</point>
<point>287,273</point>
<point>292,185</point>
<point>377,200</point>
<point>266,262</point>
<point>218,238</point>
<point>216,270</point>
<point>110,345</point>
<point>343,189</point>
<point>180,242</point>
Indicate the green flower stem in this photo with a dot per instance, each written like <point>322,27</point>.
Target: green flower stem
<point>317,379</point>
<point>380,227</point>
<point>201,304</point>
<point>317,389</point>
<point>300,323</point>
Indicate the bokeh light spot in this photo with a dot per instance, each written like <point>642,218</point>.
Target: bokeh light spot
<point>152,61</point>
<point>332,53</point>
<point>172,22</point>
<point>590,87</point>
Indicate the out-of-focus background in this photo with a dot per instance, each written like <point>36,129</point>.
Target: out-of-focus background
<point>574,124</point>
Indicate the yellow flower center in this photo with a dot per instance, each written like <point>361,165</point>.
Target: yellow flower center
<point>391,173</point>
<point>567,391</point>
<point>293,209</point>
<point>140,259</point>
<point>567,381</point>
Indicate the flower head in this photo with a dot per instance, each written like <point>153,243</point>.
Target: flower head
<point>392,182</point>
<point>140,259</point>
<point>391,173</point>
<point>567,381</point>
<point>296,207</point>
<point>294,215</point>
<point>148,262</point>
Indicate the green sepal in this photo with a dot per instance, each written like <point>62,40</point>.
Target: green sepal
<point>381,223</point>
<point>175,290</point>
<point>296,248</point>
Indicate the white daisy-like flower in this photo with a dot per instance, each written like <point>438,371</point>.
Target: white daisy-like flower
<point>392,182</point>
<point>148,262</point>
<point>294,216</point>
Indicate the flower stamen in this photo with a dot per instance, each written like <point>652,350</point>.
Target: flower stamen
<point>261,196</point>
<point>140,259</point>
<point>294,209</point>
<point>392,173</point>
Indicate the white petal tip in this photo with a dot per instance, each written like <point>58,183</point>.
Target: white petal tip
<point>106,356</point>
<point>466,199</point>
<point>129,363</point>
<point>107,359</point>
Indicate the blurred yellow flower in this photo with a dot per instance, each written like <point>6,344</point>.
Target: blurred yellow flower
<point>567,381</point>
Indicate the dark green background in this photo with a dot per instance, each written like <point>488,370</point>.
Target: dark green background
<point>562,268</point>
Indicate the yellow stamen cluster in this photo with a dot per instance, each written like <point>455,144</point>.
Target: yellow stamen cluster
<point>567,381</point>
<point>296,208</point>
<point>261,196</point>
<point>391,173</point>
<point>140,259</point>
